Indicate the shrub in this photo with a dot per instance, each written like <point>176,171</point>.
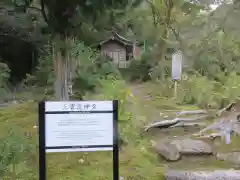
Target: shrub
<point>230,89</point>
<point>4,74</point>
<point>44,75</point>
<point>139,69</point>
<point>91,69</point>
<point>14,155</point>
<point>4,77</point>
<point>116,89</point>
<point>207,65</point>
<point>196,90</point>
<point>199,90</point>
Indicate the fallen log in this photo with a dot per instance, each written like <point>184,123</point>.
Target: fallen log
<point>220,125</point>
<point>227,108</point>
<point>224,127</point>
<point>177,122</point>
<point>187,124</point>
<point>161,124</point>
<point>201,111</point>
<point>209,136</point>
<point>203,175</point>
<point>196,118</point>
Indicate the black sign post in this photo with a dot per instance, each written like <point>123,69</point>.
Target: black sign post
<point>76,107</point>
<point>115,141</point>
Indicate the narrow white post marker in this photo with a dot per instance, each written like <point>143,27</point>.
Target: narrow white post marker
<point>177,59</point>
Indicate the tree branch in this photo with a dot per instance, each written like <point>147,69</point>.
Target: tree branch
<point>208,36</point>
<point>43,11</point>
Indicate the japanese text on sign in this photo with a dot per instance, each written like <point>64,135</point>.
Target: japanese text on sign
<point>79,107</point>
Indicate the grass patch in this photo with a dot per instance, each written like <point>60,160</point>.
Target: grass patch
<point>136,159</point>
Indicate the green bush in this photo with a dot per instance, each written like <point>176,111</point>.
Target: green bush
<point>4,74</point>
<point>196,90</point>
<point>193,89</point>
<point>15,153</point>
<point>4,77</point>
<point>207,65</point>
<point>230,89</point>
<point>148,67</point>
<point>91,69</point>
<point>116,89</point>
<point>199,90</point>
<point>138,69</point>
<point>44,75</point>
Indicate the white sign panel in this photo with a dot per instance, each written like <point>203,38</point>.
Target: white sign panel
<point>65,106</point>
<point>177,59</point>
<point>79,126</point>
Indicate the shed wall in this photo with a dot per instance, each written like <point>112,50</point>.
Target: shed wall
<point>116,51</point>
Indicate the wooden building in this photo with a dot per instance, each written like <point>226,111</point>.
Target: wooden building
<point>119,49</point>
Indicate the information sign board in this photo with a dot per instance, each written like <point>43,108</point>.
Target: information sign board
<point>74,126</point>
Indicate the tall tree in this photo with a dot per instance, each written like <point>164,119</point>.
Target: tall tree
<point>63,18</point>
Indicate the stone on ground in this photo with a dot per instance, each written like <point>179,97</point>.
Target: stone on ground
<point>203,175</point>
<point>167,151</point>
<point>192,147</point>
<point>232,157</point>
<point>173,149</point>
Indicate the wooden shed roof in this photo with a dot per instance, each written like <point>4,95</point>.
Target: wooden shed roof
<point>115,36</point>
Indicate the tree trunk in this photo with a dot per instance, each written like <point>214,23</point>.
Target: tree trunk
<point>62,70</point>
<point>69,70</point>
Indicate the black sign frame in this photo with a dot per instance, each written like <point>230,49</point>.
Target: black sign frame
<point>42,140</point>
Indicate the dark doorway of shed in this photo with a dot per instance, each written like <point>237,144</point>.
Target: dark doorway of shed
<point>20,56</point>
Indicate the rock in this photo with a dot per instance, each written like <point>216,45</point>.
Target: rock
<point>209,136</point>
<point>173,149</point>
<point>203,175</point>
<point>168,151</point>
<point>233,157</point>
<point>192,147</point>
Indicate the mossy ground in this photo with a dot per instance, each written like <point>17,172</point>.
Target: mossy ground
<point>137,158</point>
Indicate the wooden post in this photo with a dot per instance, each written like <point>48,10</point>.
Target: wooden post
<point>175,89</point>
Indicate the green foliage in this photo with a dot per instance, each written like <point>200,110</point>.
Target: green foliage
<point>78,12</point>
<point>4,74</point>
<point>135,155</point>
<point>230,89</point>
<point>44,75</point>
<point>212,83</point>
<point>14,23</point>
<point>197,90</point>
<point>139,69</point>
<point>14,150</point>
<point>147,68</point>
<point>91,69</point>
<point>4,77</point>
<point>44,72</point>
<point>116,89</point>
<point>207,66</point>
